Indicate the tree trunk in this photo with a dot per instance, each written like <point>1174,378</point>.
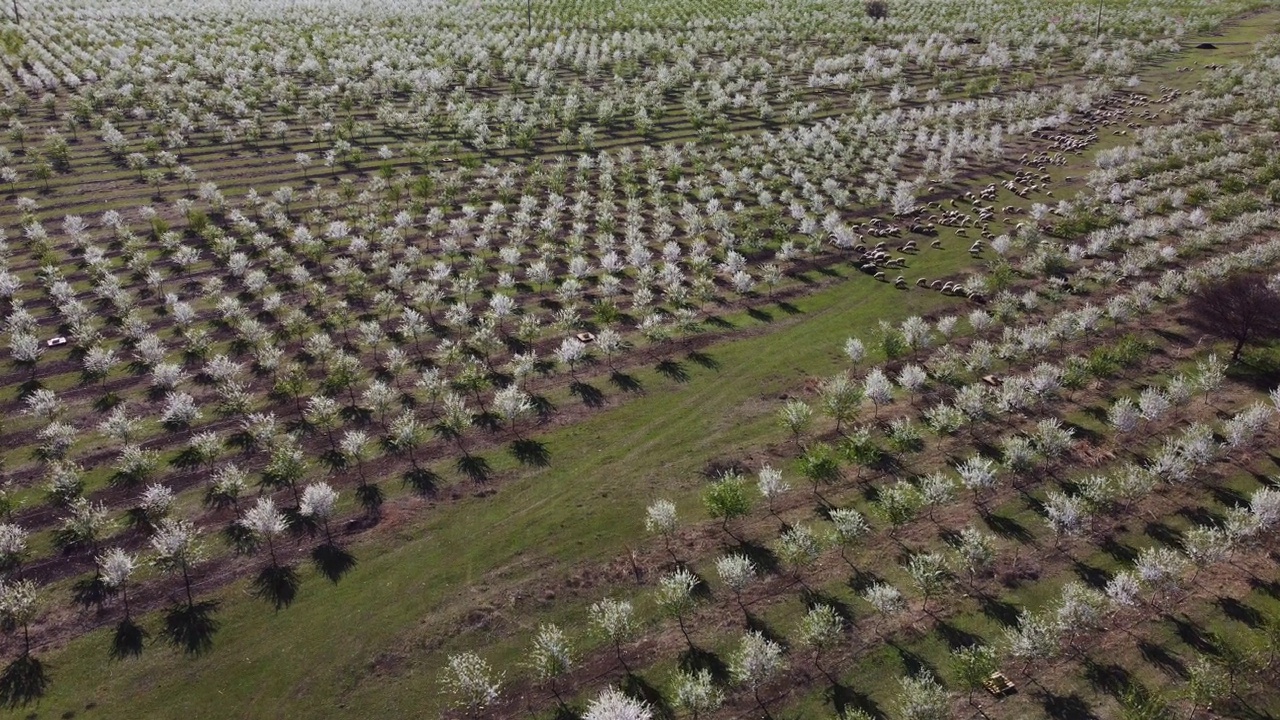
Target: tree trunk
<point>1240,341</point>
<point>186,582</point>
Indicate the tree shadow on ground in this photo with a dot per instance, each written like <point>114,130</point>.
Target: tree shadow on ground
<point>1201,515</point>
<point>566,712</point>
<point>90,591</point>
<point>531,452</point>
<point>999,610</point>
<point>277,584</point>
<point>1110,678</point>
<point>542,405</point>
<point>1240,612</point>
<point>358,415</point>
<point>332,561</point>
<point>1161,658</point>
<point>1121,552</point>
<point>758,624</point>
<point>190,628</point>
<point>863,579</point>
<point>1065,707</point>
<point>695,659</point>
<point>240,538</point>
<point>914,663</point>
<point>421,480</point>
<point>187,459</point>
<point>845,698</point>
<point>23,682</point>
<point>626,383</point>
<point>765,560</point>
<point>300,524</point>
<point>702,359</point>
<point>637,687</point>
<point>1259,367</point>
<point>1163,534</point>
<point>1085,434</point>
<point>1007,528</point>
<point>1194,635</point>
<point>334,460</point>
<point>955,637</point>
<point>1094,577</point>
<point>488,420</point>
<point>106,402</point>
<point>370,497</point>
<point>474,467</point>
<point>589,394</point>
<point>1228,496</point>
<point>1098,414</point>
<point>673,370</point>
<point>128,639</point>
<point>811,598</point>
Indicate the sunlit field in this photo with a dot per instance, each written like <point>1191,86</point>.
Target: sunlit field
<point>640,360</point>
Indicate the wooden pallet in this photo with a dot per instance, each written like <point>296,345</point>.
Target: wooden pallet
<point>999,685</point>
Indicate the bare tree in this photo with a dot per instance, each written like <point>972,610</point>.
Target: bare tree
<point>1240,308</point>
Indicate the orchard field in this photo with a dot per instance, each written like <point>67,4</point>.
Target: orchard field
<point>640,359</point>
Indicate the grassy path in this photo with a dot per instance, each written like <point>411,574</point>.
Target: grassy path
<point>427,571</point>
<point>434,579</point>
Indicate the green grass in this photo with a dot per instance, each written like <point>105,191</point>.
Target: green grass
<point>417,582</point>
<point>372,644</point>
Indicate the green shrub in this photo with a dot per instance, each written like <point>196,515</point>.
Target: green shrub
<point>891,343</point>
<point>197,221</point>
<point>1234,206</point>
<point>1108,360</point>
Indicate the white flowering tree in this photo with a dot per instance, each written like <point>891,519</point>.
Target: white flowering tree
<point>177,549</point>
<point>277,582</point>
<point>878,389</point>
<point>614,621</point>
<point>921,697</point>
<point>676,597</point>
<point>796,416</point>
<point>613,704</point>
<point>840,398</point>
<point>470,683</point>
<point>978,475</point>
<point>756,660</point>
<point>696,692</point>
<point>318,504</point>
<point>928,571</point>
<point>1036,638</point>
<point>116,567</point>
<point>18,609</point>
<point>799,547</point>
<point>821,629</point>
<point>661,518</point>
<point>551,657</point>
<point>848,526</point>
<point>737,572</point>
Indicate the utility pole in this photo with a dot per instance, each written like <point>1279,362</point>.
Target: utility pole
<point>17,20</point>
<point>528,10</point>
<point>1098,33</point>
